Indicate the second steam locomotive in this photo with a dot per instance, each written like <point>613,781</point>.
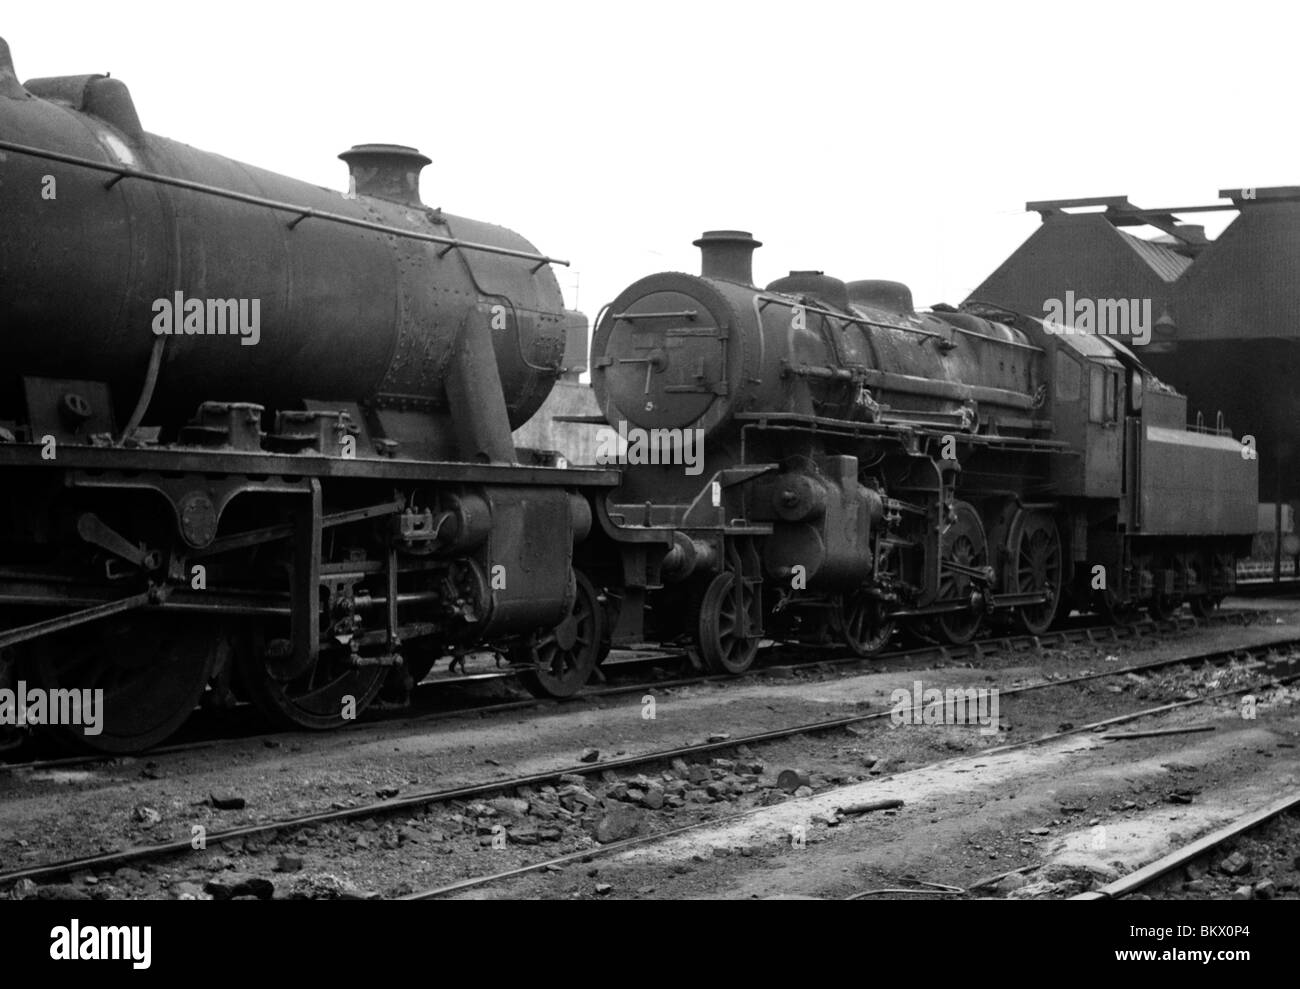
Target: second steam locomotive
<point>867,465</point>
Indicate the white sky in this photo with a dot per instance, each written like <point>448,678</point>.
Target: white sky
<point>870,141</point>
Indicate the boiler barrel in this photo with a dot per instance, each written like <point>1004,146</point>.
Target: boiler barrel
<point>345,314</point>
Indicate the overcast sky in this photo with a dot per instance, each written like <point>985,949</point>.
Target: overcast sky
<point>870,141</point>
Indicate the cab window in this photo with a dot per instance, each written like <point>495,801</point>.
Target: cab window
<point>1067,378</point>
<point>1103,394</point>
<point>1096,394</point>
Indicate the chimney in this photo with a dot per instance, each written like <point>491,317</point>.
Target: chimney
<point>728,255</point>
<point>386,171</point>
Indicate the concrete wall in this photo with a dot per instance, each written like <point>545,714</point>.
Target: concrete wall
<point>576,442</point>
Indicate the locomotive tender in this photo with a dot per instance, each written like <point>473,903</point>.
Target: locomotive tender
<point>255,434</point>
<point>867,465</point>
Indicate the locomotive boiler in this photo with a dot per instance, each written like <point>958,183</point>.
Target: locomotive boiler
<point>866,465</point>
<point>95,262</point>
<point>255,435</point>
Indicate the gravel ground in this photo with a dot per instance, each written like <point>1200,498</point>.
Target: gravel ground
<point>966,823</point>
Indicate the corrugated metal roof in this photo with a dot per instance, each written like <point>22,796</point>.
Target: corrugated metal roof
<point>1166,263</point>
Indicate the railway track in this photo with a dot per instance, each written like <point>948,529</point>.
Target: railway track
<point>1147,875</point>
<point>603,851</point>
<point>1080,632</point>
<point>419,800</point>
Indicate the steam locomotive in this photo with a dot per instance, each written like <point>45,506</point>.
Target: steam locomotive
<point>255,442</point>
<point>866,465</point>
<point>255,434</point>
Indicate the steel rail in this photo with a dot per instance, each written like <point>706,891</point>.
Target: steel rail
<point>1149,873</point>
<point>976,649</point>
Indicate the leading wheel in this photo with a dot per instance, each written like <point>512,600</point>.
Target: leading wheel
<point>560,661</point>
<point>723,623</point>
<point>963,543</point>
<point>151,669</point>
<point>1036,567</point>
<point>861,621</point>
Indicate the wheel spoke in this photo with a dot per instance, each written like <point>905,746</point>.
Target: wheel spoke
<point>722,622</point>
